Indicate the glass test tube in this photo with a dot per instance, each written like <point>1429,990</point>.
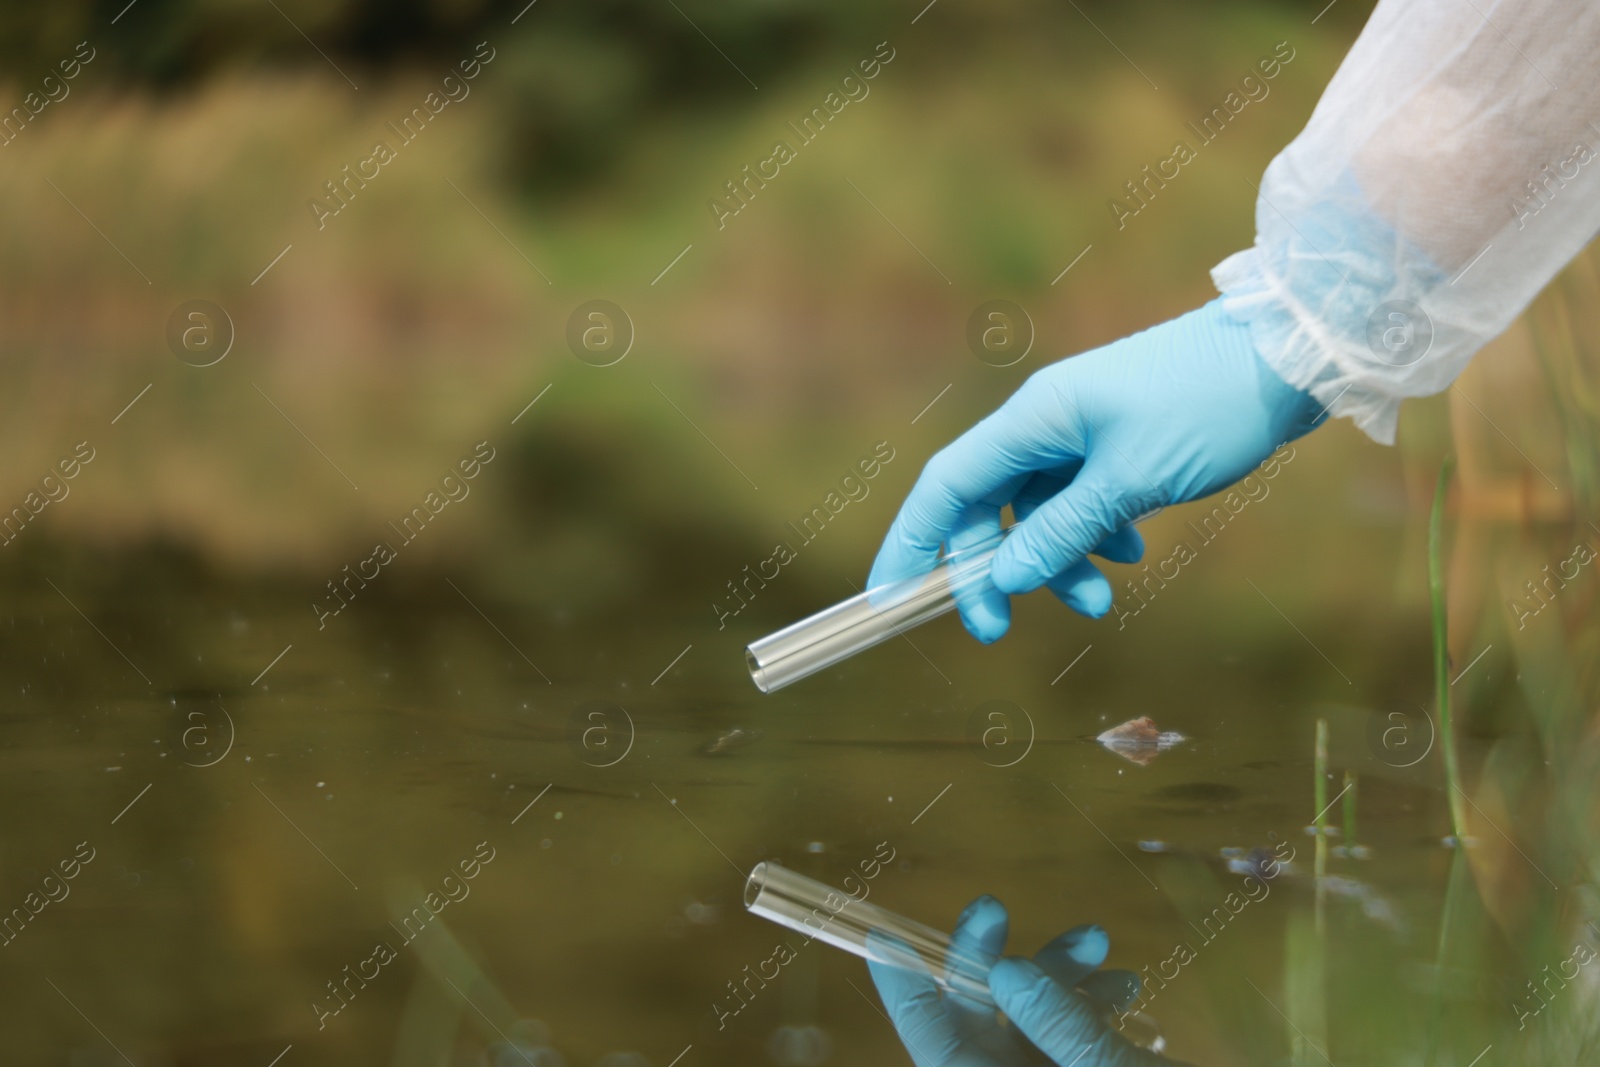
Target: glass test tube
<point>869,618</point>
<point>822,912</point>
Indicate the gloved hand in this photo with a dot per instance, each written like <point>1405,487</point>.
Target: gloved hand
<point>1086,446</point>
<point>1055,1002</point>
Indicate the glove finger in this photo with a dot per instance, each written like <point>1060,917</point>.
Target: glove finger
<point>990,460</point>
<point>1125,545</point>
<point>1069,525</point>
<point>1112,989</point>
<point>1061,1023</point>
<point>1041,487</point>
<point>1073,956</point>
<point>978,940</point>
<point>912,1000</point>
<point>985,610</point>
<point>1082,588</point>
<point>901,556</point>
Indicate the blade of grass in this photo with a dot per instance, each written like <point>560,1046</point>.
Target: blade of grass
<point>1459,878</point>
<point>1349,811</point>
<point>1305,991</point>
<point>1441,657</point>
<point>1319,793</point>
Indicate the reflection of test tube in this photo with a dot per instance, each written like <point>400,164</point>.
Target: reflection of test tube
<point>822,912</point>
<point>819,911</point>
<point>869,618</point>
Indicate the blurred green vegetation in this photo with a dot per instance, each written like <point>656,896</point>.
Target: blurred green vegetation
<point>590,77</point>
<point>420,321</point>
<point>410,325</point>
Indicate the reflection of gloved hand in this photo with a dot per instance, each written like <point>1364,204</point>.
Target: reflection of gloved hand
<point>1086,446</point>
<point>1056,1001</point>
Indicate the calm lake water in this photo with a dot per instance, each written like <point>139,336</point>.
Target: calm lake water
<point>446,823</point>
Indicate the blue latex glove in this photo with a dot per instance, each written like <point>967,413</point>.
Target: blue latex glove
<point>1056,1003</point>
<point>1086,446</point>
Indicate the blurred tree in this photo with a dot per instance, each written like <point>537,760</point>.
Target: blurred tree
<point>585,75</point>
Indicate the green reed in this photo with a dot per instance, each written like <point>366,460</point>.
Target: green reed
<point>1349,811</point>
<point>1441,656</point>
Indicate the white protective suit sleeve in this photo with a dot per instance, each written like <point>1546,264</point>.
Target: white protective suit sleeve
<point>1451,168</point>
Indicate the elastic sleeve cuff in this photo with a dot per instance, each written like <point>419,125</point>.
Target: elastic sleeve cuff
<point>1340,304</point>
<point>1297,344</point>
